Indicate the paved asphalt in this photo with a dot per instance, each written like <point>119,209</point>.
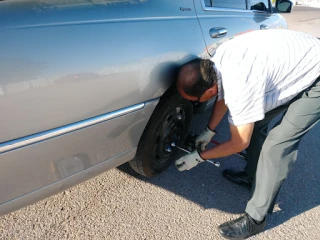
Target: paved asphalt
<point>190,205</point>
<point>304,19</point>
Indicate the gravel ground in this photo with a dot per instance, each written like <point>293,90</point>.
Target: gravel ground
<point>190,205</point>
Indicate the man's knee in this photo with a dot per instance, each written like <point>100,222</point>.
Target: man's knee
<point>283,132</point>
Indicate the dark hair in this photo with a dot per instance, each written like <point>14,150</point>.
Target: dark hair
<point>205,78</point>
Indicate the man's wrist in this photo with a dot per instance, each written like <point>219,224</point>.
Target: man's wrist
<point>200,154</point>
<point>211,129</point>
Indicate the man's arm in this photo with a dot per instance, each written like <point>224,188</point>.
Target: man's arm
<point>217,114</point>
<point>219,110</point>
<point>240,139</point>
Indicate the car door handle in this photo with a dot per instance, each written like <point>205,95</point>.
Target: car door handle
<point>264,27</point>
<point>218,32</point>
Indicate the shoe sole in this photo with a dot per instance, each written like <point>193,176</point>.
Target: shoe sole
<point>231,238</point>
<point>239,184</point>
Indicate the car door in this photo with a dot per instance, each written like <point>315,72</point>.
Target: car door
<point>221,20</point>
<point>263,14</point>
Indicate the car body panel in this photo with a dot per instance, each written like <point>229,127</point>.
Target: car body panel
<point>55,69</point>
<point>68,62</point>
<point>66,183</point>
<point>80,79</point>
<point>282,22</point>
<point>235,21</point>
<point>36,166</point>
<point>268,19</point>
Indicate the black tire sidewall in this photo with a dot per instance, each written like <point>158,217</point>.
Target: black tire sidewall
<point>148,139</point>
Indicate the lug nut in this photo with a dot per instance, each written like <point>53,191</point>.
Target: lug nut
<point>168,149</point>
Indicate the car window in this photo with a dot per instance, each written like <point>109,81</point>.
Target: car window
<point>237,4</point>
<point>260,5</point>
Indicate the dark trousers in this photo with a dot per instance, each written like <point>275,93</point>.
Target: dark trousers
<point>272,155</point>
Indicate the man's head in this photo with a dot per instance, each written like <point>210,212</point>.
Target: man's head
<point>197,80</point>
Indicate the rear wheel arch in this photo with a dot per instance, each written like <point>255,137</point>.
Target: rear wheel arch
<point>169,123</point>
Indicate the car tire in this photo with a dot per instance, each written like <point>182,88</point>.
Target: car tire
<point>169,123</point>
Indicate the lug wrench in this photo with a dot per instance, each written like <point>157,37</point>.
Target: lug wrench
<point>217,164</point>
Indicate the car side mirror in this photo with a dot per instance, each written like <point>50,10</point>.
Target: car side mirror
<point>284,6</point>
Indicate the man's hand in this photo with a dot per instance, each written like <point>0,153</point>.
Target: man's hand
<point>189,161</point>
<point>204,138</point>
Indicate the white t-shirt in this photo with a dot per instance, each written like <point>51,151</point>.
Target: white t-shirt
<point>262,70</point>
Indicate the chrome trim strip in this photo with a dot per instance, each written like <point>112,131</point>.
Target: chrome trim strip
<point>38,137</point>
<point>222,9</point>
<point>217,9</point>
<point>226,10</point>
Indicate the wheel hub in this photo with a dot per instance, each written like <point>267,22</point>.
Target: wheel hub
<point>170,131</point>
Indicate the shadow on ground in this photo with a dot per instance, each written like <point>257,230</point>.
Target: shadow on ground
<point>205,186</point>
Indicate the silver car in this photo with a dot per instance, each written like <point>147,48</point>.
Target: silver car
<point>87,85</point>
